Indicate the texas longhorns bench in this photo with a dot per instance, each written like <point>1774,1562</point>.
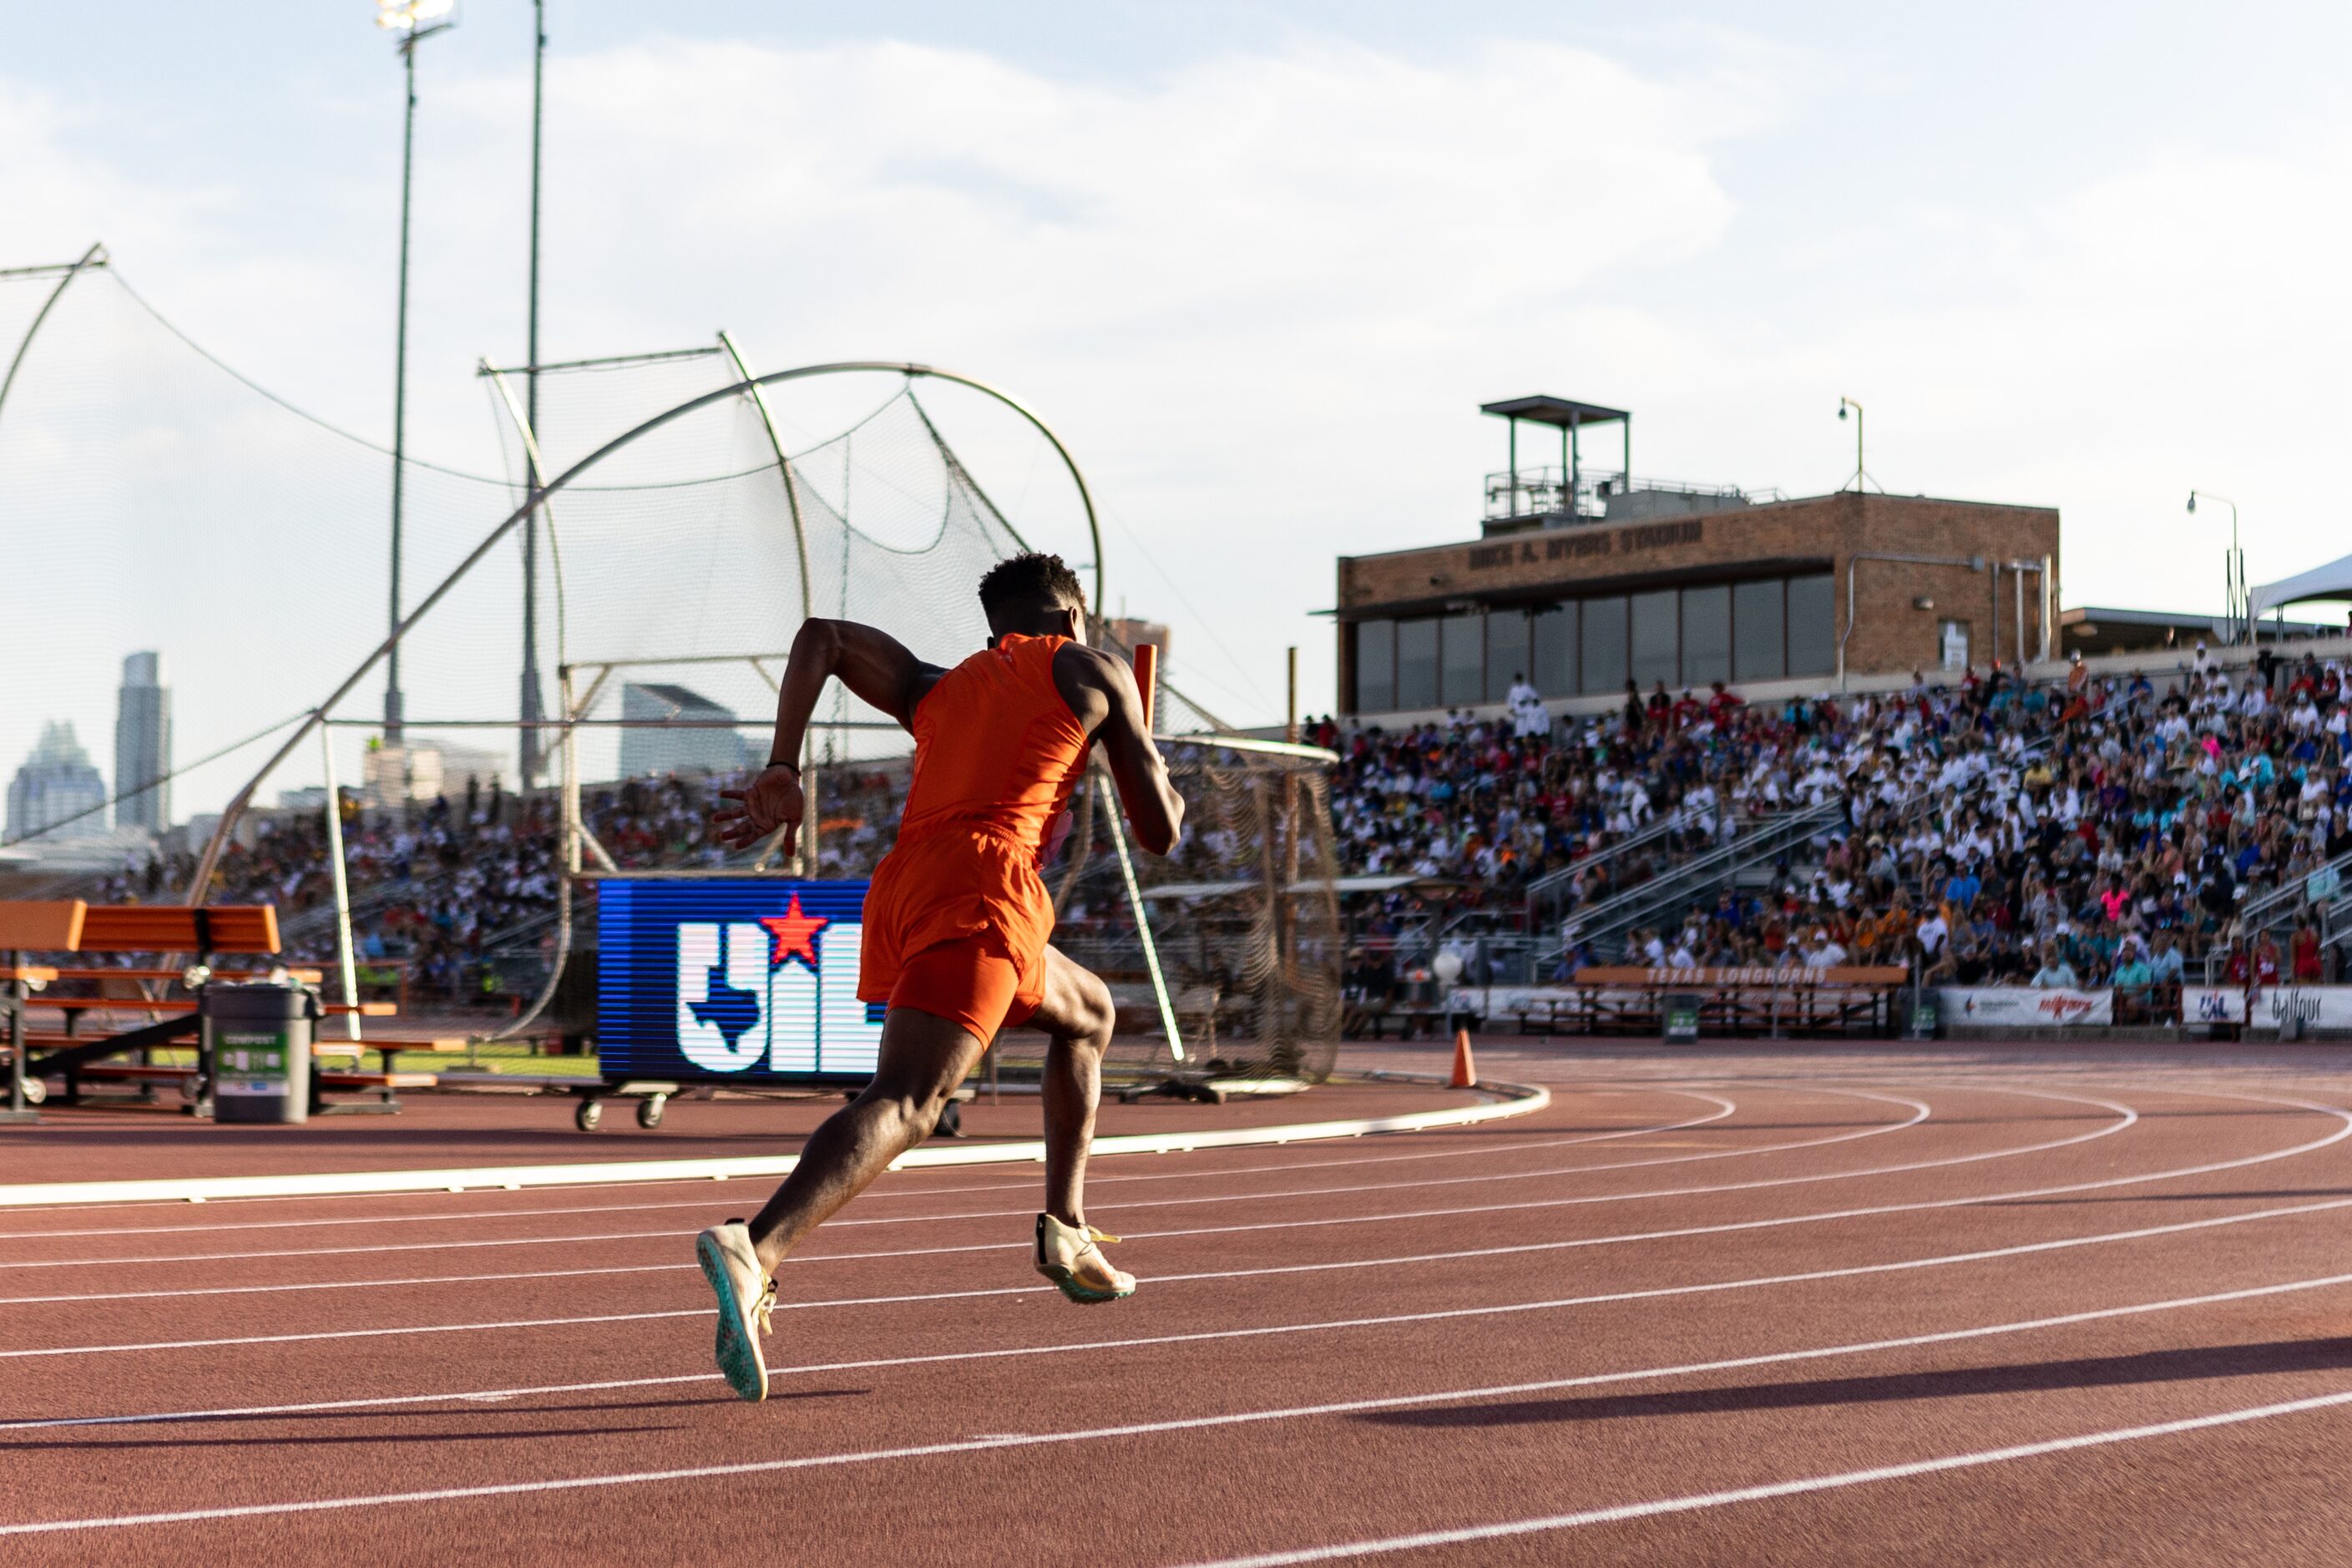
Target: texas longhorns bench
<point>71,926</point>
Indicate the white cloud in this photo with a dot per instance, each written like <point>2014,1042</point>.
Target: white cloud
<point>1262,294</point>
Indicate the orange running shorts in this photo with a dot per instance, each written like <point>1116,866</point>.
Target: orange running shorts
<point>956,926</point>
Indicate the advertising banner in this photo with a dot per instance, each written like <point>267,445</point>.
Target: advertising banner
<point>732,979</point>
<point>2315,1006</point>
<point>2006,1006</point>
<point>2213,1005</point>
<point>1681,979</point>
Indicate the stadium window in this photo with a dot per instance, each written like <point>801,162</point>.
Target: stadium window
<point>1756,630</point>
<point>1375,667</point>
<point>1507,651</point>
<point>1553,659</point>
<point>1602,640</point>
<point>1812,626</point>
<point>1416,658</point>
<point>1465,653</point>
<point>1707,635</point>
<point>1656,635</point>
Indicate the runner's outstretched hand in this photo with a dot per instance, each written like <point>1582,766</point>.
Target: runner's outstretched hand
<point>772,800</point>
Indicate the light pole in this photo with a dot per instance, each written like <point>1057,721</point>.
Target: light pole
<point>415,21</point>
<point>531,712</point>
<point>2233,569</point>
<point>1862,480</point>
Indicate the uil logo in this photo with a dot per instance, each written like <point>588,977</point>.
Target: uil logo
<point>778,994</point>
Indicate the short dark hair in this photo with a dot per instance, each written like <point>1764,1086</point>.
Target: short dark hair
<point>1028,584</point>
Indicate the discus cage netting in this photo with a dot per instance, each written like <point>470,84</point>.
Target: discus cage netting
<point>180,507</point>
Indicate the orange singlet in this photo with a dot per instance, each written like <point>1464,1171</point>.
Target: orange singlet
<point>957,918</point>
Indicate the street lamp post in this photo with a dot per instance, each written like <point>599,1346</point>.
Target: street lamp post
<point>531,711</point>
<point>416,21</point>
<point>2233,571</point>
<point>1862,480</point>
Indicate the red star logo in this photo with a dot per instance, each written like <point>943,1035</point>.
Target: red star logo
<point>794,934</point>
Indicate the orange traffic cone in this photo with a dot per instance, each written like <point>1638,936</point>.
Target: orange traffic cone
<point>1466,1072</point>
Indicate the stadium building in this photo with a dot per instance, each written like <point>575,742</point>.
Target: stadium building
<point>1583,577</point>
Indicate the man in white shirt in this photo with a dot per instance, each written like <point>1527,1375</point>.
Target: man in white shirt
<point>1529,717</point>
<point>1824,952</point>
<point>1933,934</point>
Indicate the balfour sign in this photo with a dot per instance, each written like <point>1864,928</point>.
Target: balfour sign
<point>1571,544</point>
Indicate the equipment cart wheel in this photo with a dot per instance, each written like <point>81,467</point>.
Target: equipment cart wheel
<point>590,1113</point>
<point>649,1111</point>
<point>37,1092</point>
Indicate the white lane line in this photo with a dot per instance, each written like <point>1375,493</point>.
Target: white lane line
<point>2342,1132</point>
<point>1619,1513</point>
<point>1094,1181</point>
<point>1514,1249</point>
<point>1255,1417</point>
<point>1501,1309</point>
<point>2128,1117</point>
<point>1515,1099</point>
<point>1920,1113</point>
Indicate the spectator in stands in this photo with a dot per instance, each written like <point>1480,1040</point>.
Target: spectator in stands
<point>2304,956</point>
<point>2134,981</point>
<point>2055,972</point>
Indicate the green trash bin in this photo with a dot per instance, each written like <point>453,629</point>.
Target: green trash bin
<point>1682,1018</point>
<point>1920,1024</point>
<point>257,1040</point>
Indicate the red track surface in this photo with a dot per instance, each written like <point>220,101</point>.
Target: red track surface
<point>1694,1313</point>
<point>120,1142</point>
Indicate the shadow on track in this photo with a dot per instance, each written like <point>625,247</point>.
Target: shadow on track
<point>2203,1361</point>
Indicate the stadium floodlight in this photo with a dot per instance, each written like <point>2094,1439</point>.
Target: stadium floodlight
<point>2240,604</point>
<point>1862,480</point>
<point>414,16</point>
<point>416,21</point>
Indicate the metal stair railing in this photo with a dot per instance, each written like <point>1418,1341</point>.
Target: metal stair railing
<point>1543,886</point>
<point>1767,838</point>
<point>1548,892</point>
<point>2278,905</point>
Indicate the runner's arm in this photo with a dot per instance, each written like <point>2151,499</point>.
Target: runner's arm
<point>1101,690</point>
<point>876,667</point>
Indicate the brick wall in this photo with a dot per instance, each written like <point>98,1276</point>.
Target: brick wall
<point>1784,538</point>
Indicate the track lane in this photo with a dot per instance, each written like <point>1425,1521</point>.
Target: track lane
<point>1098,1453</point>
<point>1171,1371</point>
<point>685,1306</point>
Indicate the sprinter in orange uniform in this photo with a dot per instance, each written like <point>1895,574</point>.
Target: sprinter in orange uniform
<point>957,920</point>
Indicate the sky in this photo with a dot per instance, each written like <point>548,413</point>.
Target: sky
<point>1260,263</point>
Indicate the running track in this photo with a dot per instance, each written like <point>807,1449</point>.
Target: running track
<point>1765,1309</point>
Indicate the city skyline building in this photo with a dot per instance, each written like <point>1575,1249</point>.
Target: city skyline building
<point>397,773</point>
<point>58,795</point>
<point>142,746</point>
<point>650,752</point>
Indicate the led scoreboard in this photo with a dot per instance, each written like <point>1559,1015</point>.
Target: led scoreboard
<point>732,979</point>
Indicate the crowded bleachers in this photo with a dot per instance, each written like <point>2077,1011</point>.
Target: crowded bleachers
<point>2094,831</point>
<point>2088,831</point>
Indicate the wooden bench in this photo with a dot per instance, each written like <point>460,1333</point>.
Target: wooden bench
<point>204,931</point>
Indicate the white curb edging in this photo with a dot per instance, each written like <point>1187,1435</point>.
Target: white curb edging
<point>1522,1099</point>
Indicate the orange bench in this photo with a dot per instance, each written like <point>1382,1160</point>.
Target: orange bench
<point>72,926</point>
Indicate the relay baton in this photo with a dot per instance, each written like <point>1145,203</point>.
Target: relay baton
<point>1147,678</point>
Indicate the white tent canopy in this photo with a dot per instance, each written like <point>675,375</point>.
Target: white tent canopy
<point>2332,581</point>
